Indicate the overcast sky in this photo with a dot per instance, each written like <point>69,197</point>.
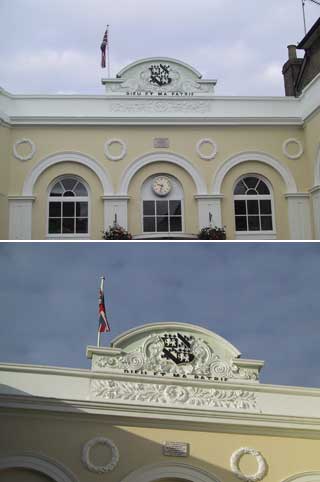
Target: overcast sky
<point>263,298</point>
<point>53,46</point>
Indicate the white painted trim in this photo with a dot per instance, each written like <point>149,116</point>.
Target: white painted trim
<point>285,148</point>
<point>40,463</point>
<point>317,168</point>
<point>253,156</point>
<point>150,158</point>
<point>214,146</point>
<point>304,477</point>
<point>28,156</point>
<point>71,156</point>
<point>120,156</point>
<point>155,472</point>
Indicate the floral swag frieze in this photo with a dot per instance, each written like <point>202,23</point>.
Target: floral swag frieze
<point>164,394</point>
<point>148,360</point>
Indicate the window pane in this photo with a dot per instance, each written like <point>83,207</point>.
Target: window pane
<point>253,207</point>
<point>162,224</point>
<point>265,207</point>
<point>149,225</point>
<point>68,209</point>
<point>252,192</point>
<point>175,223</point>
<point>82,225</point>
<point>68,226</point>
<point>82,209</point>
<point>162,208</point>
<point>175,207</point>
<point>251,182</point>
<point>80,190</point>
<point>240,188</point>
<point>68,194</point>
<point>253,222</point>
<point>241,223</point>
<point>262,188</point>
<point>69,184</point>
<point>240,207</point>
<point>57,190</point>
<point>54,210</point>
<point>148,207</point>
<point>266,223</point>
<point>54,226</point>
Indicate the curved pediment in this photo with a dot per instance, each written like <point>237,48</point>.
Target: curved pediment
<point>159,76</point>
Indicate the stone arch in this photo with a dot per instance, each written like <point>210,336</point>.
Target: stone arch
<point>154,473</point>
<point>304,477</point>
<point>38,463</point>
<point>150,158</point>
<point>76,157</point>
<point>317,168</point>
<point>233,161</point>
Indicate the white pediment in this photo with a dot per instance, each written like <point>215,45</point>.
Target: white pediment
<point>159,76</point>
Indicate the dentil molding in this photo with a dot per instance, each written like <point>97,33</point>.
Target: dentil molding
<point>285,148</point>
<point>123,151</point>
<point>28,156</point>
<point>100,469</point>
<point>262,464</point>
<point>165,394</point>
<point>213,152</point>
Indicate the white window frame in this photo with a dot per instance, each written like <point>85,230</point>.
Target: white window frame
<point>87,199</point>
<point>270,234</point>
<point>154,197</point>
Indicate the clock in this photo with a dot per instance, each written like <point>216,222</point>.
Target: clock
<point>161,186</point>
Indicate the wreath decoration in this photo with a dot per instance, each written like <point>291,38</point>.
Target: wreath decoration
<point>100,469</point>
<point>262,464</point>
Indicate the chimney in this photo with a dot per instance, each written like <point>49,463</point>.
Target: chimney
<point>291,71</point>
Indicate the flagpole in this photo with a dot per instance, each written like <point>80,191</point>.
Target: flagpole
<point>108,51</point>
<point>304,16</point>
<point>102,278</point>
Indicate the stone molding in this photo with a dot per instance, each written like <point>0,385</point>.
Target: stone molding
<point>285,148</point>
<point>172,395</point>
<point>28,156</point>
<point>153,472</point>
<point>120,156</point>
<point>100,469</point>
<point>262,465</point>
<point>214,146</point>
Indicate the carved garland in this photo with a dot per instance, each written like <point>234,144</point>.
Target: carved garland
<point>262,464</point>
<point>213,153</point>
<point>111,156</point>
<point>100,469</point>
<point>28,156</point>
<point>285,148</point>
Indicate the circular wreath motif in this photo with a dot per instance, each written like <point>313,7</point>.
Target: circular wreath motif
<point>28,156</point>
<point>213,153</point>
<point>262,464</point>
<point>111,156</point>
<point>297,143</point>
<point>100,469</point>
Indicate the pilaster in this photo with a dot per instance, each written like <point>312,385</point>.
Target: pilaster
<point>20,217</point>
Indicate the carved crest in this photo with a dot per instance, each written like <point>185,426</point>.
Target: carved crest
<point>160,74</point>
<point>177,348</point>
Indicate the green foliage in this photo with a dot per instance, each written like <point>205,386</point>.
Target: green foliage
<point>116,232</point>
<point>212,233</point>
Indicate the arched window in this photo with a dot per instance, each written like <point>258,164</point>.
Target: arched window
<point>68,208</point>
<point>162,205</point>
<point>253,205</point>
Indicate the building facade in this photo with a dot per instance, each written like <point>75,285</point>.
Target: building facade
<point>167,401</point>
<point>71,164</point>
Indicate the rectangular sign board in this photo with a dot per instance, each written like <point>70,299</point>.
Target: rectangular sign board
<point>175,449</point>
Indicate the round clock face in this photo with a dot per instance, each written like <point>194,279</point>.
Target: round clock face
<point>161,186</point>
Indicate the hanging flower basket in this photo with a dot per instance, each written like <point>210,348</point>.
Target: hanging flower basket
<point>116,232</point>
<point>212,233</point>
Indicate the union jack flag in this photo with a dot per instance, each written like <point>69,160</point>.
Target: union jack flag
<point>103,321</point>
<point>103,49</point>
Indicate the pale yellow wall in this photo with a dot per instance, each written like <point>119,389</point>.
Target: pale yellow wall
<point>279,189</point>
<point>312,140</point>
<point>62,437</point>
<point>231,140</point>
<point>23,475</point>
<point>135,204</point>
<point>4,179</point>
<point>39,228</point>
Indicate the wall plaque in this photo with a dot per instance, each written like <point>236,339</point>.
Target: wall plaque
<point>175,449</point>
<point>161,142</point>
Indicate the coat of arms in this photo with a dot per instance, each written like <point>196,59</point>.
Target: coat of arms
<point>177,348</point>
<point>160,75</point>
